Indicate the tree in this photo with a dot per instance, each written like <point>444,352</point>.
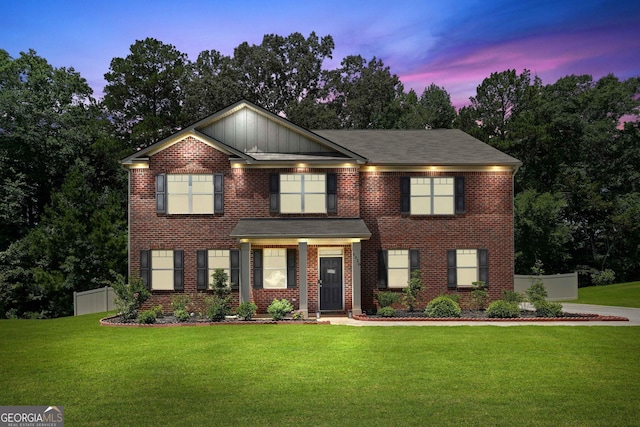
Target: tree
<point>210,84</point>
<point>143,92</point>
<point>46,118</point>
<point>499,99</point>
<point>439,112</point>
<point>541,231</point>
<point>363,93</point>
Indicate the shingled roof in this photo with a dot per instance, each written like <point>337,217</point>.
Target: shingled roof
<point>300,227</point>
<point>438,147</point>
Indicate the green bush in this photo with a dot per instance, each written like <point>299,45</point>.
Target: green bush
<point>158,310</point>
<point>217,307</point>
<point>246,310</point>
<point>387,299</point>
<point>512,296</point>
<point>147,317</point>
<point>605,277</point>
<point>179,302</point>
<point>536,292</point>
<point>278,309</point>
<point>181,315</point>
<point>453,297</point>
<point>410,293</point>
<point>297,315</point>
<point>442,307</point>
<point>479,296</point>
<point>129,297</point>
<point>503,310</point>
<point>548,309</point>
<point>386,312</point>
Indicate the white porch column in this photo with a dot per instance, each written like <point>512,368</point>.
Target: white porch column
<point>245,270</point>
<point>356,288</point>
<point>302,270</point>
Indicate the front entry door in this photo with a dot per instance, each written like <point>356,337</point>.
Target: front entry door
<point>331,283</point>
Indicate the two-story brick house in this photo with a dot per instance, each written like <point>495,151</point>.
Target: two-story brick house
<point>322,218</point>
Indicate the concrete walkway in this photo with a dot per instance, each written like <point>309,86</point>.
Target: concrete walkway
<point>633,314</point>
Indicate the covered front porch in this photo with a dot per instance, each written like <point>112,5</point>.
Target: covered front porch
<point>322,268</point>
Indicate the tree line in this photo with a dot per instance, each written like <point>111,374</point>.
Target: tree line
<point>63,193</point>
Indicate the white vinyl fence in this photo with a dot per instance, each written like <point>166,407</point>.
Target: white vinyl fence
<point>559,286</point>
<point>93,301</point>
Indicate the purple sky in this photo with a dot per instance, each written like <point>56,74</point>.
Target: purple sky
<point>454,44</point>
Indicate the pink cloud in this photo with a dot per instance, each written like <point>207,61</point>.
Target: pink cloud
<point>547,56</point>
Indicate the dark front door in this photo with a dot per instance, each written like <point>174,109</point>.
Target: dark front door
<point>331,284</point>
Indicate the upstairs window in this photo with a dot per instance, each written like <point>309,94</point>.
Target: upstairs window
<point>189,194</point>
<point>303,193</point>
<point>432,196</point>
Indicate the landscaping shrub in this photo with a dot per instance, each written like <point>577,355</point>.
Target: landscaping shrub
<point>605,277</point>
<point>129,297</point>
<point>453,297</point>
<point>279,308</point>
<point>503,310</point>
<point>386,311</point>
<point>410,293</point>
<point>147,317</point>
<point>536,292</point>
<point>479,296</point>
<point>158,310</point>
<point>181,315</point>
<point>442,307</point>
<point>548,309</point>
<point>297,315</point>
<point>246,310</point>
<point>217,308</point>
<point>512,296</point>
<point>386,299</point>
<point>179,302</point>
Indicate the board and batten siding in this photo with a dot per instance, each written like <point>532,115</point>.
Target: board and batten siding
<point>250,132</point>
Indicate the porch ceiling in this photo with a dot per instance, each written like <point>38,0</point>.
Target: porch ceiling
<point>301,228</point>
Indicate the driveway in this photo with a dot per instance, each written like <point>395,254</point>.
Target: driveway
<point>633,314</point>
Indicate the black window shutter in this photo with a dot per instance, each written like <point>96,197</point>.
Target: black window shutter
<point>218,193</point>
<point>202,268</point>
<point>459,194</point>
<point>405,195</point>
<point>234,264</point>
<point>382,269</point>
<point>452,274</point>
<point>178,270</point>
<point>145,268</point>
<point>332,193</point>
<point>257,268</point>
<point>483,266</point>
<point>161,193</point>
<point>274,193</point>
<point>291,268</point>
<point>414,260</point>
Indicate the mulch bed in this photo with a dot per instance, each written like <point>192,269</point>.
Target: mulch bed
<point>474,315</point>
<point>171,321</point>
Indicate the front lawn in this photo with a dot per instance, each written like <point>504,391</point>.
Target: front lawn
<point>317,375</point>
<point>621,295</point>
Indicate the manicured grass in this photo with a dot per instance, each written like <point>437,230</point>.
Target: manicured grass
<point>621,295</point>
<point>264,375</point>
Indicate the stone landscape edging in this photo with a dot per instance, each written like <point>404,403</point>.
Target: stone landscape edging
<point>580,318</point>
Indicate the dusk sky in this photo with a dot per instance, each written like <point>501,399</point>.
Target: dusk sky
<point>454,44</point>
